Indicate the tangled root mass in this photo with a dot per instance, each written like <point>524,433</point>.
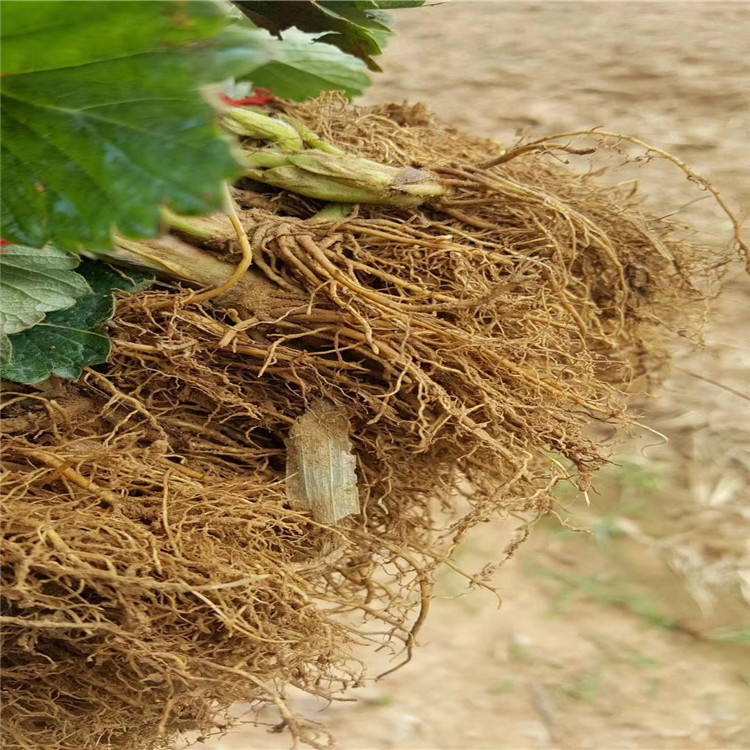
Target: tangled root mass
<point>154,571</point>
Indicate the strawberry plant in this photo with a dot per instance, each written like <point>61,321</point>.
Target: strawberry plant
<point>110,116</point>
<point>331,322</point>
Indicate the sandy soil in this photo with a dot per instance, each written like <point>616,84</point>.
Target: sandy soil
<point>631,637</point>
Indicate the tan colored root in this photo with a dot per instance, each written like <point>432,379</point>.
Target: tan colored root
<point>242,266</point>
<point>153,570</point>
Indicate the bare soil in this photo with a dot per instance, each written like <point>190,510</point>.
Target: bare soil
<point>635,636</point>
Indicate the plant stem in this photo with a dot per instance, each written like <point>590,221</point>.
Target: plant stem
<point>304,163</point>
<point>254,124</point>
<point>214,227</point>
<point>333,211</point>
<point>248,291</point>
<point>174,258</point>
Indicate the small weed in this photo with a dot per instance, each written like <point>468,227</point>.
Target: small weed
<point>605,529</point>
<point>634,656</point>
<point>517,652</point>
<point>566,490</point>
<point>603,591</point>
<point>632,476</point>
<point>503,685</point>
<point>558,532</point>
<point>632,483</point>
<point>451,585</point>
<point>378,701</point>
<point>585,688</point>
<point>619,651</point>
<point>740,636</point>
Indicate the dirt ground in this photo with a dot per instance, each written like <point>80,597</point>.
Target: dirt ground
<point>636,635</point>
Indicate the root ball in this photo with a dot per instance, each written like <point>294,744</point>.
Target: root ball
<point>154,571</point>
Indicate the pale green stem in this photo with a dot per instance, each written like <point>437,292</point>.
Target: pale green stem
<point>254,124</point>
<point>333,211</point>
<point>215,227</point>
<point>266,159</point>
<point>303,163</point>
<point>172,257</point>
<point>310,138</point>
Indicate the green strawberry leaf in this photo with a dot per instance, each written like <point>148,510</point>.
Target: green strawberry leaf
<point>302,68</point>
<point>36,281</point>
<point>398,4</point>
<point>357,27</point>
<point>68,340</point>
<point>6,348</point>
<point>104,120</point>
